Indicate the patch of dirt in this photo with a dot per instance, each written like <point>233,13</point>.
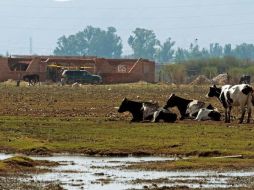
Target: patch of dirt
<point>41,151</point>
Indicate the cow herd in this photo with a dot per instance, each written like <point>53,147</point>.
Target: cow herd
<point>229,96</point>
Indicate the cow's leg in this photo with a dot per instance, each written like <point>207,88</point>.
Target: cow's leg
<point>155,116</point>
<point>243,113</point>
<point>249,114</point>
<point>33,81</point>
<point>226,115</point>
<point>229,114</point>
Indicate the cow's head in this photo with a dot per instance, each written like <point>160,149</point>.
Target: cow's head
<point>214,91</point>
<point>124,106</point>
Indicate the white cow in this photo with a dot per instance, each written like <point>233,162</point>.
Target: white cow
<point>208,114</point>
<point>236,95</point>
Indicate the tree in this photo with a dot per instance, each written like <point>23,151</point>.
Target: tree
<point>216,50</point>
<point>91,42</point>
<point>176,72</point>
<point>227,50</point>
<point>181,55</point>
<point>244,51</point>
<point>194,52</point>
<point>143,43</point>
<point>165,53</point>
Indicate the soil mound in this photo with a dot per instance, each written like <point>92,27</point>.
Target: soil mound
<point>221,79</point>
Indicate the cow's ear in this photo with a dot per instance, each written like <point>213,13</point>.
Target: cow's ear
<point>214,86</point>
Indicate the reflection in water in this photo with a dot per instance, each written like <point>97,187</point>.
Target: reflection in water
<point>106,173</point>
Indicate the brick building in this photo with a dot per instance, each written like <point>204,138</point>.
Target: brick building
<point>111,70</point>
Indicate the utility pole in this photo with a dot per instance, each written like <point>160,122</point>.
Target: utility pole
<point>30,46</point>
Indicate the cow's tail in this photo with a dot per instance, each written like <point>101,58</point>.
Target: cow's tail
<point>252,96</point>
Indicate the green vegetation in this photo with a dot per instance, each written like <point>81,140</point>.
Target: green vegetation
<point>186,71</point>
<point>93,41</point>
<point>79,135</point>
<point>197,163</point>
<point>21,164</point>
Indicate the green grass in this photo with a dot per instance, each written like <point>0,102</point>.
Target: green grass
<point>21,164</point>
<point>78,135</point>
<point>197,163</point>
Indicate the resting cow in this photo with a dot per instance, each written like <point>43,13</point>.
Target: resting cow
<point>140,110</point>
<point>31,79</point>
<point>164,115</point>
<point>187,108</point>
<point>208,113</point>
<point>236,95</point>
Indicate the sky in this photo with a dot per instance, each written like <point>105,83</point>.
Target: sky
<point>33,26</point>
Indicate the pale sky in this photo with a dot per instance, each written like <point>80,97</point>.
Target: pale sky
<point>44,21</point>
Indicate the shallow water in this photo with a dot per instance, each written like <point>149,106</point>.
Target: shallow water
<point>105,173</point>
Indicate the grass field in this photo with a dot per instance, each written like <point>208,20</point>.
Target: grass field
<point>52,119</point>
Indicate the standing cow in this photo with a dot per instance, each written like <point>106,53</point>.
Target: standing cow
<point>236,95</point>
<point>32,79</point>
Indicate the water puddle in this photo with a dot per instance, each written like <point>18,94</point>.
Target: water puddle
<point>106,173</point>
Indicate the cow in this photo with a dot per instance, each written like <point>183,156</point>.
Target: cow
<point>187,108</point>
<point>234,95</point>
<point>32,79</point>
<point>140,111</point>
<point>164,115</point>
<point>245,79</point>
<point>208,113</point>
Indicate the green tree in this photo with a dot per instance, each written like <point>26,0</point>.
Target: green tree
<point>165,53</point>
<point>216,50</point>
<point>181,55</point>
<point>91,42</point>
<point>175,72</point>
<point>143,43</point>
<point>194,52</point>
<point>227,50</point>
<point>244,51</point>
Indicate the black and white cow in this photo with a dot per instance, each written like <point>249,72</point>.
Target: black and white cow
<point>187,108</point>
<point>236,95</point>
<point>140,111</point>
<point>164,115</point>
<point>31,79</point>
<point>208,113</point>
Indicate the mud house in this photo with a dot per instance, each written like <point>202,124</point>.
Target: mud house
<point>111,70</point>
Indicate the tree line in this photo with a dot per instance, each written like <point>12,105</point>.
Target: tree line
<point>187,71</point>
<point>93,41</point>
